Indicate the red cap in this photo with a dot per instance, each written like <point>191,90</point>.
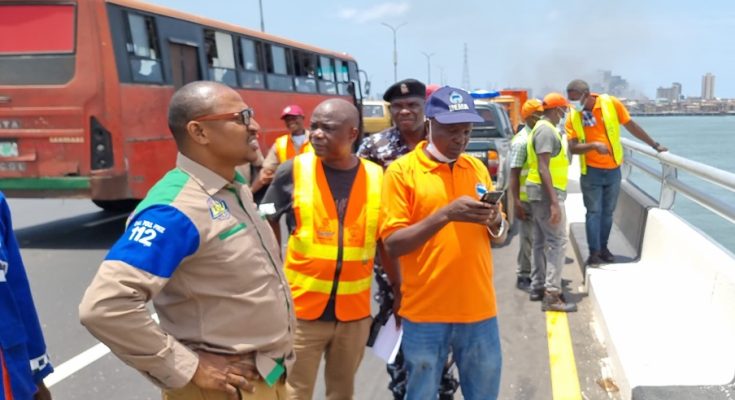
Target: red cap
<point>431,88</point>
<point>294,110</point>
<point>554,100</point>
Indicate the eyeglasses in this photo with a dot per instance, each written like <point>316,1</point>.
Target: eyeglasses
<point>243,116</point>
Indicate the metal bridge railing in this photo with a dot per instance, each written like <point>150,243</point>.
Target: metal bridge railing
<point>667,176</point>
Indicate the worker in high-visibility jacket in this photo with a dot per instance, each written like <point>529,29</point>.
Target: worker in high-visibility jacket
<point>23,359</point>
<point>332,202</point>
<point>285,147</point>
<point>593,128</point>
<point>546,185</point>
<point>531,112</point>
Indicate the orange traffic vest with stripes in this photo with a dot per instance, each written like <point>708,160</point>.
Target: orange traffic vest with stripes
<point>285,149</point>
<point>311,259</point>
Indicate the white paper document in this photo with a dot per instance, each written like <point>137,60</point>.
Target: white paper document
<point>388,341</point>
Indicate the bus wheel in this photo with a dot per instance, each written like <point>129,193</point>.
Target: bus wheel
<point>125,205</point>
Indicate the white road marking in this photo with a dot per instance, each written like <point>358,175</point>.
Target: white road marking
<point>76,363</point>
<point>105,220</point>
<point>79,362</point>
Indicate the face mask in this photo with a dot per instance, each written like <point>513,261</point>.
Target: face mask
<point>298,140</point>
<point>579,104</point>
<point>562,118</point>
<point>435,152</point>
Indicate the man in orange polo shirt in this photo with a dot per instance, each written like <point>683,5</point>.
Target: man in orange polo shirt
<point>593,130</point>
<point>435,224</point>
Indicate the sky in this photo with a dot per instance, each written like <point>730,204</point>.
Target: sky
<point>536,44</point>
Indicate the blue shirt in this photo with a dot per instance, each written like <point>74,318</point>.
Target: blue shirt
<point>21,338</point>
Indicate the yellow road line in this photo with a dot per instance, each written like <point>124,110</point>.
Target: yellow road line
<point>564,379</point>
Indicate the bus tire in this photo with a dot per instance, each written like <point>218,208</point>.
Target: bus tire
<point>124,205</point>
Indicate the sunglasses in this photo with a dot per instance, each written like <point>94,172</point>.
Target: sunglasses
<point>243,116</point>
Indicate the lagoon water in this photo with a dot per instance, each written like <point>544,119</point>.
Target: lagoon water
<point>709,140</point>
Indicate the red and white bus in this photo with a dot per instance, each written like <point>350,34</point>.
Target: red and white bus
<point>84,87</point>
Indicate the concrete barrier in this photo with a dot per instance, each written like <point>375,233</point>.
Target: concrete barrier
<point>629,220</point>
<point>669,317</point>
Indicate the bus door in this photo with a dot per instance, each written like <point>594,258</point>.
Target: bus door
<point>184,63</point>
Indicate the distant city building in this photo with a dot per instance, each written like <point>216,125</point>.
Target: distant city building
<point>609,83</point>
<point>676,86</point>
<point>708,86</point>
<point>671,94</point>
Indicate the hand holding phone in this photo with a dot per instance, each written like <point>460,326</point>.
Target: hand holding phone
<point>492,197</point>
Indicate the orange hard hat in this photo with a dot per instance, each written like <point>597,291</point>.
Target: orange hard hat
<point>554,100</point>
<point>531,106</point>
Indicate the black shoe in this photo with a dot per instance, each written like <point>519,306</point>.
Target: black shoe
<point>606,256</point>
<point>554,301</point>
<point>523,283</point>
<point>594,259</point>
<point>536,294</point>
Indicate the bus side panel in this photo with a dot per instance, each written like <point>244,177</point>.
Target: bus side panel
<point>109,183</point>
<point>149,147</point>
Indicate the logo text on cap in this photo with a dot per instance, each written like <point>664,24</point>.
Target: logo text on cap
<point>457,102</point>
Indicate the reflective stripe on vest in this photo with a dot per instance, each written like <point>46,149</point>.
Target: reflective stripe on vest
<point>612,128</point>
<point>311,257</point>
<point>559,164</point>
<point>285,149</point>
<point>520,136</point>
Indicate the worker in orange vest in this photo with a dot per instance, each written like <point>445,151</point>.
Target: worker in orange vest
<point>332,202</point>
<point>286,147</point>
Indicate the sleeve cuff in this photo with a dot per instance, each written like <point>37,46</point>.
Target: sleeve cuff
<point>177,367</point>
<point>385,233</point>
<point>41,367</point>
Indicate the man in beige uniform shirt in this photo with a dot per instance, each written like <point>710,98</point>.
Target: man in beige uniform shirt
<point>198,248</point>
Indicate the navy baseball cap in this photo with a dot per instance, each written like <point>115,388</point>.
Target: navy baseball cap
<point>450,105</point>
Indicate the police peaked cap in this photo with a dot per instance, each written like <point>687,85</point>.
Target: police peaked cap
<point>405,88</point>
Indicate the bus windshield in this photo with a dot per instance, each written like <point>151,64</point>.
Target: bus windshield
<point>36,29</point>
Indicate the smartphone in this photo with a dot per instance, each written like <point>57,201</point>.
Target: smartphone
<point>492,197</point>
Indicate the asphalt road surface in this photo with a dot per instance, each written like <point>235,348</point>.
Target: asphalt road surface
<point>64,241</point>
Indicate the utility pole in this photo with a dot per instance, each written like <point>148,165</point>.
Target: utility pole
<point>262,23</point>
<point>428,65</point>
<point>466,70</point>
<point>442,79</point>
<point>395,48</point>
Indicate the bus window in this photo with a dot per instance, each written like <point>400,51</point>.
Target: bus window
<point>326,76</point>
<point>250,60</point>
<point>37,29</point>
<point>220,57</point>
<point>143,49</point>
<point>278,74</point>
<point>305,71</point>
<point>343,77</point>
<point>37,44</point>
<point>354,77</point>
